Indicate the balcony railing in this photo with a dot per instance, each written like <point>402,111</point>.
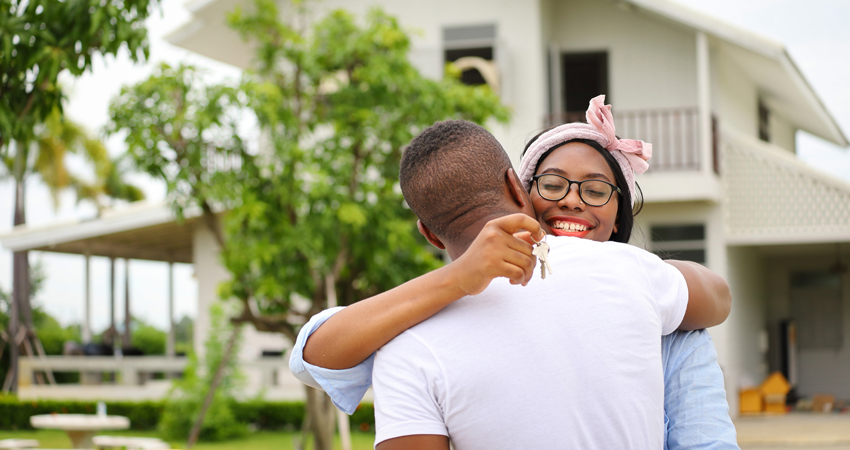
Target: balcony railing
<point>673,132</point>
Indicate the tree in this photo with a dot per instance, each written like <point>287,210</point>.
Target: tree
<point>39,39</point>
<point>314,214</point>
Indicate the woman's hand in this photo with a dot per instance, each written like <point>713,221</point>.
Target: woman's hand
<point>502,249</point>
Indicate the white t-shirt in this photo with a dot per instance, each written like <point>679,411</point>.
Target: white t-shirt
<point>572,361</point>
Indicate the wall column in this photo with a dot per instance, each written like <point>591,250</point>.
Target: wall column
<point>704,103</point>
<point>112,293</point>
<point>169,344</point>
<point>128,318</point>
<point>87,313</point>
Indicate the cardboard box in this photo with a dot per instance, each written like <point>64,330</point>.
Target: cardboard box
<point>751,401</point>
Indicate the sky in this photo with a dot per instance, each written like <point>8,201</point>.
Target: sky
<point>815,32</point>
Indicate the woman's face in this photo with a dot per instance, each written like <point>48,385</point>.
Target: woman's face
<point>570,216</point>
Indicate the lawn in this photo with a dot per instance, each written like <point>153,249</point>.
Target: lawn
<point>259,440</point>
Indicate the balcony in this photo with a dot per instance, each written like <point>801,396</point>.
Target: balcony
<point>673,132</point>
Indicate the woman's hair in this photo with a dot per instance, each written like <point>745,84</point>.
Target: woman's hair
<point>625,211</point>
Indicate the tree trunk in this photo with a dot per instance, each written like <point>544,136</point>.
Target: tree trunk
<point>216,380</point>
<point>322,417</point>
<point>20,270</point>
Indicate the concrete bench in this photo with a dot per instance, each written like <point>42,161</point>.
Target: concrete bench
<point>130,443</point>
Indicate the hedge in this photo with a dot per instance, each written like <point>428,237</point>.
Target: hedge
<point>15,414</point>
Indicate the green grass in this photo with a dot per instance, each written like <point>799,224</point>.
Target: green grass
<point>259,440</point>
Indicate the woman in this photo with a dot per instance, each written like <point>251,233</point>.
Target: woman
<point>590,156</point>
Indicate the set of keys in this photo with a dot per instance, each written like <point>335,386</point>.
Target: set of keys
<point>541,251</point>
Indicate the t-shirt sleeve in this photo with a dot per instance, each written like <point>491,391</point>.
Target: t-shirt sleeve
<point>409,389</point>
<point>669,289</point>
<point>346,387</point>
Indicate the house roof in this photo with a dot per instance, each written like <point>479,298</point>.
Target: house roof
<point>768,63</point>
<point>144,231</point>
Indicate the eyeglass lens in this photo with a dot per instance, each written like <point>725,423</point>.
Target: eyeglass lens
<point>592,192</point>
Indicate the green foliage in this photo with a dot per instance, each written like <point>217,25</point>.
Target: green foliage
<point>339,104</point>
<point>185,399</point>
<point>184,332</point>
<point>320,200</point>
<point>50,332</point>
<point>39,39</point>
<point>147,338</point>
<point>15,413</point>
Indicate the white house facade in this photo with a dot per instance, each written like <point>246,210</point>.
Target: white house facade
<point>722,108</point>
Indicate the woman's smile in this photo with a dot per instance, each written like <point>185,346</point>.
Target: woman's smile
<point>569,226</point>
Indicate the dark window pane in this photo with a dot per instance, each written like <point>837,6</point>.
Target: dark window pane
<point>471,77</point>
<point>815,280</point>
<point>585,76</point>
<point>678,233</point>
<point>697,256</point>
<point>764,122</point>
<point>479,32</point>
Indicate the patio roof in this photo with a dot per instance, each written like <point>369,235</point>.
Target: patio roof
<point>144,231</point>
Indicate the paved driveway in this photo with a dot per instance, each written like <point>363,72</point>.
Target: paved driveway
<point>794,431</point>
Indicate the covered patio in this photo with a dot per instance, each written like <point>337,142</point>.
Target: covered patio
<point>144,232</point>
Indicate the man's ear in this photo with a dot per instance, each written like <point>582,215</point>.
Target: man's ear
<point>518,193</point>
<point>432,238</point>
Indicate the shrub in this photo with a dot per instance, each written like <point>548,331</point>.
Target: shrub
<point>148,415</point>
<point>187,396</point>
<point>15,414</point>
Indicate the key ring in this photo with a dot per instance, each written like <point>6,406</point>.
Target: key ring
<point>536,241</point>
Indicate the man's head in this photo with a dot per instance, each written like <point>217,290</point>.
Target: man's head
<point>455,176</point>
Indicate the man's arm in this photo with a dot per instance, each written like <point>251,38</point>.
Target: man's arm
<point>353,334</point>
<point>417,442</point>
<point>694,396</point>
<point>709,297</point>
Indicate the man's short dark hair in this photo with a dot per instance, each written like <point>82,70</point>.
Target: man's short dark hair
<point>452,174</point>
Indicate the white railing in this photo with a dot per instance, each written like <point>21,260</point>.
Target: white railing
<point>673,133</point>
<point>134,370</point>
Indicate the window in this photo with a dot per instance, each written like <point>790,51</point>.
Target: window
<point>682,242</point>
<point>764,122</point>
<point>476,45</point>
<point>585,75</point>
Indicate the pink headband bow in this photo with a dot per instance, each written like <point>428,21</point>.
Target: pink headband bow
<point>632,155</point>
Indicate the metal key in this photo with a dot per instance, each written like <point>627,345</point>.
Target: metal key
<point>541,251</point>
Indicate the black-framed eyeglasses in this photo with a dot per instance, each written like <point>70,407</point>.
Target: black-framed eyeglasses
<point>554,187</point>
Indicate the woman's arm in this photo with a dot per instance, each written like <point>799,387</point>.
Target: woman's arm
<point>709,297</point>
<point>353,334</point>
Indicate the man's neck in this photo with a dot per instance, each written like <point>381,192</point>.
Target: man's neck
<point>458,247</point>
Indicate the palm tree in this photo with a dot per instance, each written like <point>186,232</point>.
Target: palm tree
<point>46,156</point>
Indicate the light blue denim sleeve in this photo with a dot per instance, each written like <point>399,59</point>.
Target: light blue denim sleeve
<point>696,413</point>
<point>346,387</point>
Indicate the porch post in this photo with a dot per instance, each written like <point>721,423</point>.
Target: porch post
<point>125,339</point>
<point>169,346</point>
<point>87,313</point>
<point>112,293</point>
<point>704,102</point>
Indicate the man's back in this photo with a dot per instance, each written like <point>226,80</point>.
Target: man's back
<point>588,338</point>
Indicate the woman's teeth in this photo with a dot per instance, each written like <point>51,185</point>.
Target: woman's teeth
<point>570,227</point>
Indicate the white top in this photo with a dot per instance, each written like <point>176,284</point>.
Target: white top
<point>587,340</point>
<point>80,422</point>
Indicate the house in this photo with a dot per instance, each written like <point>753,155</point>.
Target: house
<point>721,106</point>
